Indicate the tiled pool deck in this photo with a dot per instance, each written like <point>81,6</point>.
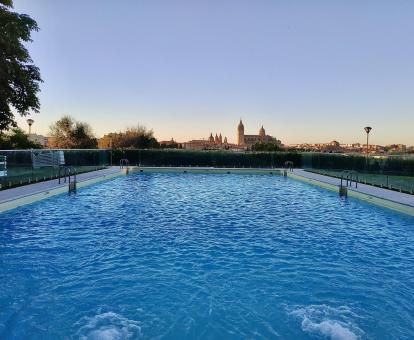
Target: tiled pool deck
<point>12,198</point>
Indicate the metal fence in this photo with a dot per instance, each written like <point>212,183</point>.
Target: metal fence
<point>19,167</point>
<point>206,158</point>
<point>391,172</point>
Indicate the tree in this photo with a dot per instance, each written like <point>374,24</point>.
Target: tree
<point>133,138</point>
<point>19,77</point>
<point>170,145</point>
<point>67,133</point>
<point>266,147</point>
<point>17,139</point>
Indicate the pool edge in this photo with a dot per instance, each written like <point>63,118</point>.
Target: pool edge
<point>205,170</point>
<point>382,202</point>
<point>31,198</point>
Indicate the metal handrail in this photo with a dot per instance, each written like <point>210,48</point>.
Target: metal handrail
<point>123,163</point>
<point>350,176</point>
<point>288,165</point>
<point>68,171</point>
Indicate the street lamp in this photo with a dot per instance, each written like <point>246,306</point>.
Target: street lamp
<point>367,130</point>
<point>30,123</point>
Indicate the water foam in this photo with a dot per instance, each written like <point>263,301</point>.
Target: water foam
<point>328,322</point>
<point>109,326</point>
<point>328,328</point>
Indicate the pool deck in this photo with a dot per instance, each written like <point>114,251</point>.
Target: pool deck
<point>26,194</point>
<point>15,197</point>
<point>387,198</point>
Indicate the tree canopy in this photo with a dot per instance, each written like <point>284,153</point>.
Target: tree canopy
<point>17,139</point>
<point>19,77</point>
<point>67,133</point>
<point>266,147</point>
<point>132,138</point>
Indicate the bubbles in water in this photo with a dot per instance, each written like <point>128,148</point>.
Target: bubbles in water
<point>328,322</point>
<point>109,326</point>
<point>329,328</point>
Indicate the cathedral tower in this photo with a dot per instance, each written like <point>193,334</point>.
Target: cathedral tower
<point>262,133</point>
<point>240,133</point>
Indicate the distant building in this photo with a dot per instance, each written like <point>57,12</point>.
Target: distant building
<point>196,144</point>
<point>244,142</point>
<point>211,143</point>
<point>168,142</point>
<point>38,139</point>
<point>216,142</point>
<point>396,148</point>
<point>249,140</point>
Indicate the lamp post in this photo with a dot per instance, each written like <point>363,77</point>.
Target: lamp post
<point>110,145</point>
<point>367,130</point>
<point>30,123</point>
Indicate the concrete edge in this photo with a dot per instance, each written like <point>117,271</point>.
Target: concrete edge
<point>201,170</point>
<point>402,208</point>
<point>20,201</point>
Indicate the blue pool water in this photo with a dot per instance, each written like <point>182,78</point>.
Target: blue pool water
<point>182,256</point>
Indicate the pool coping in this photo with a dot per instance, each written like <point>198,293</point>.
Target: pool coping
<point>326,182</point>
<point>32,195</point>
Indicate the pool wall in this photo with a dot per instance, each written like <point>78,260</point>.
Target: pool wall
<point>206,170</point>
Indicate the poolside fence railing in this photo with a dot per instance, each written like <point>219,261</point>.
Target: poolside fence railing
<point>219,159</point>
<point>391,172</point>
<point>28,166</point>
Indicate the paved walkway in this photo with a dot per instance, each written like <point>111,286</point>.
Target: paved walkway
<point>36,188</point>
<point>390,195</point>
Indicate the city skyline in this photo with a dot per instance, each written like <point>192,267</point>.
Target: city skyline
<point>300,70</point>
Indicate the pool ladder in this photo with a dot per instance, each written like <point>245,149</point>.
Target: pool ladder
<point>124,165</point>
<point>348,176</point>
<point>65,173</point>
<point>287,166</point>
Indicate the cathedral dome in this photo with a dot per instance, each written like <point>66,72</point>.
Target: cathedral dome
<point>262,132</point>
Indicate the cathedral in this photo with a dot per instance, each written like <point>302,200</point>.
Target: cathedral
<point>244,142</point>
<point>249,140</point>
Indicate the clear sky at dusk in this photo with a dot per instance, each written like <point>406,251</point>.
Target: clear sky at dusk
<point>309,71</point>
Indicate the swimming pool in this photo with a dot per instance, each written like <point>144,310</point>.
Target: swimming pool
<point>205,256</point>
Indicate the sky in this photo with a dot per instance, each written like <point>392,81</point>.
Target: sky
<point>308,71</point>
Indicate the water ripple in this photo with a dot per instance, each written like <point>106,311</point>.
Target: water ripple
<point>205,256</point>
